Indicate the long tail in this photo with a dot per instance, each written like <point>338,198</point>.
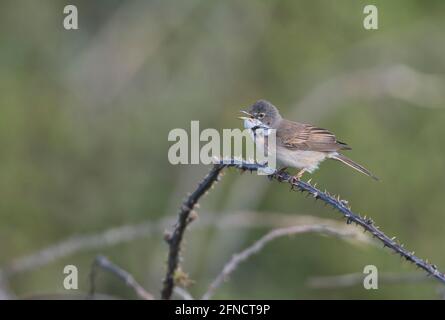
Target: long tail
<point>352,164</point>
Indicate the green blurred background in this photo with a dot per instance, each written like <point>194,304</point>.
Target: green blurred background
<point>85,116</point>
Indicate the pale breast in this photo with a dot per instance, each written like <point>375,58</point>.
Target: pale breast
<point>300,159</point>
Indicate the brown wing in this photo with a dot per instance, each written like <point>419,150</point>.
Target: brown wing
<point>299,136</point>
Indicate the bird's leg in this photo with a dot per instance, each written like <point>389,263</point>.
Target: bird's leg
<point>282,170</point>
<point>279,172</point>
<point>298,176</point>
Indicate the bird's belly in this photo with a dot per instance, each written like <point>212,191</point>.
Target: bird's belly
<point>308,160</point>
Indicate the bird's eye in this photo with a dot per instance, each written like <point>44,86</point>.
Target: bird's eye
<point>261,115</point>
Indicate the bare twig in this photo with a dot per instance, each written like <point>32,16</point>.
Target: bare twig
<point>182,293</point>
<point>259,245</point>
<point>5,293</point>
<point>184,218</point>
<point>342,206</point>
<point>78,243</point>
<point>276,220</point>
<point>393,81</point>
<point>103,263</point>
<point>126,233</point>
<point>68,296</point>
<point>352,279</point>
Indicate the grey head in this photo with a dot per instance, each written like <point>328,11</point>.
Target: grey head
<point>266,112</point>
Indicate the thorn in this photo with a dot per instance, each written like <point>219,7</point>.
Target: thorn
<point>192,216</point>
<point>167,236</point>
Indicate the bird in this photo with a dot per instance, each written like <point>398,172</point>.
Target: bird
<point>298,145</point>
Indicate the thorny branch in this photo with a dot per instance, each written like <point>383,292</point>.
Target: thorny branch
<point>352,279</point>
<point>242,256</point>
<point>185,216</point>
<point>175,238</point>
<point>127,278</point>
<point>342,206</point>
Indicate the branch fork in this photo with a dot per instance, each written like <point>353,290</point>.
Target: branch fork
<point>338,204</point>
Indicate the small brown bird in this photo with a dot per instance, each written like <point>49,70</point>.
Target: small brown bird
<point>298,145</point>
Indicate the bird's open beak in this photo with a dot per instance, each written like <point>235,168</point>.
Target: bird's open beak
<point>246,113</point>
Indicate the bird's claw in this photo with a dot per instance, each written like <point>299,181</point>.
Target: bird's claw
<point>295,179</point>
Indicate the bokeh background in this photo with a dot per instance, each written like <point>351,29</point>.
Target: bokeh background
<point>85,116</point>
